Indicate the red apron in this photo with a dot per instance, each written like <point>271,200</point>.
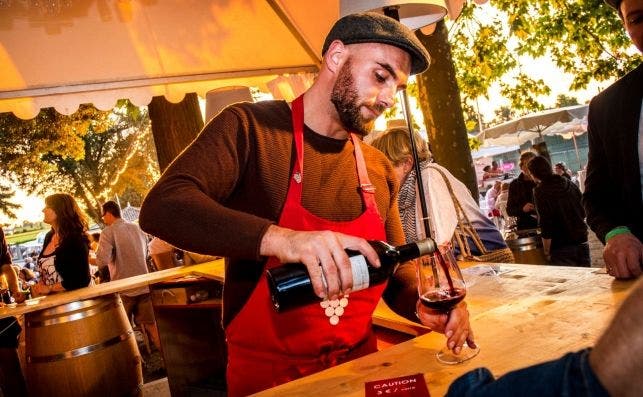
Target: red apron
<point>266,348</point>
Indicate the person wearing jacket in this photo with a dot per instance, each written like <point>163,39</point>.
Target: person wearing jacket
<point>64,260</point>
<point>560,216</point>
<point>613,196</point>
<point>520,202</point>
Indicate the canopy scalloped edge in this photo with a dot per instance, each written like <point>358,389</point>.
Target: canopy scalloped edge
<point>282,86</point>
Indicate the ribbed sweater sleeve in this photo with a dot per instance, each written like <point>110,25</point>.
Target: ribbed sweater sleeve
<point>221,194</point>
<point>224,190</point>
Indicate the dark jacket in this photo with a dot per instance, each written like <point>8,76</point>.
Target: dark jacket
<point>5,256</point>
<point>520,193</point>
<point>612,194</point>
<point>72,260</point>
<point>560,213</point>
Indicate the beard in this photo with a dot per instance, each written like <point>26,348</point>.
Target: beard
<point>344,97</point>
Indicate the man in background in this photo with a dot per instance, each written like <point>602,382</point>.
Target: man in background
<point>520,202</point>
<point>614,187</point>
<point>123,249</point>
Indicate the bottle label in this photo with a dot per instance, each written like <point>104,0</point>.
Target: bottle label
<point>361,278</point>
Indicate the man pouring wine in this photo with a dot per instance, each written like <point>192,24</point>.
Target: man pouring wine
<point>272,183</point>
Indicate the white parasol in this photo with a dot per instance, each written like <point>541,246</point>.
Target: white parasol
<point>568,130</point>
<point>531,126</point>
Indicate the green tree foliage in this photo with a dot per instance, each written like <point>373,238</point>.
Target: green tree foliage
<point>90,154</point>
<point>582,37</point>
<point>6,205</point>
<point>563,100</point>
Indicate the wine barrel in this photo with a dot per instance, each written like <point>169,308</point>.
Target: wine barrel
<point>83,348</point>
<point>528,248</point>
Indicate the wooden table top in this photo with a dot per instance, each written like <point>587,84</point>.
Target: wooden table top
<point>213,270</point>
<point>525,315</point>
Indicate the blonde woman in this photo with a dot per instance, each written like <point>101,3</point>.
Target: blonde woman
<point>439,187</point>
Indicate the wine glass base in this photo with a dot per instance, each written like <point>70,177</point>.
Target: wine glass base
<point>446,356</point>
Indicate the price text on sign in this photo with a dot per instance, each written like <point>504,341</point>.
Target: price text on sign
<point>405,386</point>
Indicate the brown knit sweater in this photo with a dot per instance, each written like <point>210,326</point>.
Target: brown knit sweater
<point>221,194</point>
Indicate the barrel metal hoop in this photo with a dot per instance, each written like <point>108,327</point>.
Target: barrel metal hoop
<point>103,307</point>
<point>78,305</point>
<point>81,351</point>
<point>526,247</point>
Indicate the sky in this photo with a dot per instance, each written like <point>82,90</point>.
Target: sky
<point>31,207</point>
<point>557,80</point>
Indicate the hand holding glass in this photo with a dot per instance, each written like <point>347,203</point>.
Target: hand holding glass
<point>441,287</point>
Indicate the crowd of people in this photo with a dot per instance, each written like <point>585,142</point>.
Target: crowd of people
<point>256,185</point>
<point>362,68</point>
<point>72,258</point>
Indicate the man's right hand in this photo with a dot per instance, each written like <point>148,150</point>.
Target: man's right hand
<point>623,255</point>
<point>322,252</point>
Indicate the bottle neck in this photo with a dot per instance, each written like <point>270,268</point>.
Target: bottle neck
<point>407,251</point>
<point>415,249</point>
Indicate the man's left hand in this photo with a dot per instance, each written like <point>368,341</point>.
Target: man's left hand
<point>455,325</point>
<point>623,255</point>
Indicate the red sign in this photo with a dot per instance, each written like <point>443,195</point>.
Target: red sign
<point>405,386</point>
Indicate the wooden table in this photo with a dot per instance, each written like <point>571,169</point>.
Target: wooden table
<point>213,270</point>
<point>526,315</point>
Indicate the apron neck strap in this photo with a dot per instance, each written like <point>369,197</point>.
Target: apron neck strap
<point>367,190</point>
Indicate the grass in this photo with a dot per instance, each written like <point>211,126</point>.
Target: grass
<point>23,237</point>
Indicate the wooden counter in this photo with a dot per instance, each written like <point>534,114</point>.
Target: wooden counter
<point>213,270</point>
<point>526,315</point>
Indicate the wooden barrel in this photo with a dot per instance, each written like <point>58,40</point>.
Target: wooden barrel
<point>528,249</point>
<point>83,348</point>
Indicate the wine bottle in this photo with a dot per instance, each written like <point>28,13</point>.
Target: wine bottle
<point>290,285</point>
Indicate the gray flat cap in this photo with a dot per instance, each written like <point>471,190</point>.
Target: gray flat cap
<point>616,4</point>
<point>371,27</point>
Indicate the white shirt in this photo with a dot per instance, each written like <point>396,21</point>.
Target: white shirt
<point>123,248</point>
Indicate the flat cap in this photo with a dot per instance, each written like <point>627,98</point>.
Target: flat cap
<point>371,27</point>
<point>616,4</point>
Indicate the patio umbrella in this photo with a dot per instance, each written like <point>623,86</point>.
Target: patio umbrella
<point>568,130</point>
<point>531,126</point>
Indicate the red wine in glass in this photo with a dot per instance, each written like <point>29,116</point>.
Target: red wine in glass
<point>441,287</point>
<point>444,299</point>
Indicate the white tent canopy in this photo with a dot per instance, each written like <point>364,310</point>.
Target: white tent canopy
<point>63,53</point>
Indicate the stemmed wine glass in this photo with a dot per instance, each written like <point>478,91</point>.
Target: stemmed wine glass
<point>441,287</point>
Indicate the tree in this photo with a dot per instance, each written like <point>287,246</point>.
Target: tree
<point>583,37</point>
<point>88,154</point>
<point>439,99</point>
<point>563,100</point>
<point>174,126</point>
<point>6,206</point>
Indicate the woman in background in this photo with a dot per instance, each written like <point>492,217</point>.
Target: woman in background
<point>442,192</point>
<point>561,216</point>
<point>64,260</point>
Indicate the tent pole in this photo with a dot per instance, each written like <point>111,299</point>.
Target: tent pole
<point>416,164</point>
<point>576,149</point>
<point>392,12</point>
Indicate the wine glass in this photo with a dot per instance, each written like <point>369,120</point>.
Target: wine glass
<point>441,287</point>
